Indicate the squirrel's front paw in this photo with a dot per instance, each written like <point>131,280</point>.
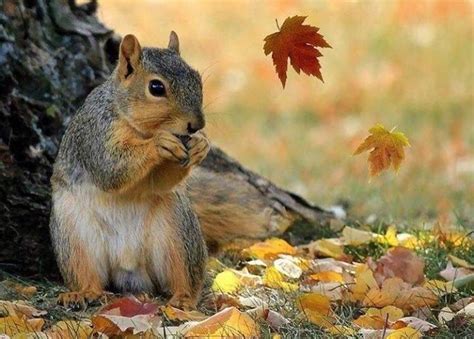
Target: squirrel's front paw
<point>171,148</point>
<point>198,147</point>
<point>78,300</point>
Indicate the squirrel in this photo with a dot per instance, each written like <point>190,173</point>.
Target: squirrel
<point>121,217</point>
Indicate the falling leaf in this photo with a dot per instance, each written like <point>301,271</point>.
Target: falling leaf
<point>270,249</point>
<point>274,279</point>
<point>386,149</point>
<point>288,268</point>
<point>226,282</point>
<point>228,322</point>
<point>400,262</point>
<point>404,333</point>
<point>298,42</point>
<point>317,308</point>
<point>355,237</point>
<point>393,313</point>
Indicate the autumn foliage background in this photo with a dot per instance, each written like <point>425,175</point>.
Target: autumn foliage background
<point>400,63</point>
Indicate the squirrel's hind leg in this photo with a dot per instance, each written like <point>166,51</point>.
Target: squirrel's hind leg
<point>82,267</point>
<point>179,253</point>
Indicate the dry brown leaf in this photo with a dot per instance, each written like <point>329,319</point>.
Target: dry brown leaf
<point>19,308</point>
<point>333,290</point>
<point>364,281</point>
<point>400,262</point>
<point>355,237</point>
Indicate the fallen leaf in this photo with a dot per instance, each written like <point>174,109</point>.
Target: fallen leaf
<point>13,325</point>
<point>440,288</point>
<point>173,313</point>
<point>405,333</point>
<point>288,268</point>
<point>298,42</point>
<point>396,292</point>
<point>408,240</point>
<point>370,321</point>
<point>246,278</point>
<point>340,330</point>
<point>355,237</point>
<point>274,279</point>
<point>393,313</point>
<point>416,323</point>
<point>364,281</point>
<point>269,249</point>
<point>226,282</point>
<point>228,322</point>
<point>467,311</point>
<point>400,262</point>
<point>19,308</point>
<point>446,315</point>
<point>386,149</point>
<point>70,329</point>
<point>375,334</point>
<point>327,276</point>
<point>25,291</point>
<point>460,262</point>
<point>126,315</point>
<point>331,247</point>
<point>275,320</point>
<point>317,308</point>
<point>467,280</point>
<point>453,273</point>
<point>390,238</point>
<point>332,290</point>
<point>252,301</point>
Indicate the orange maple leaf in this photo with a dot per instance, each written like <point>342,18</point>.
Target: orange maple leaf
<point>299,43</point>
<point>386,148</point>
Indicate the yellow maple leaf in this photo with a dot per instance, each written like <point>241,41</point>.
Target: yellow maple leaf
<point>386,149</point>
<point>317,308</point>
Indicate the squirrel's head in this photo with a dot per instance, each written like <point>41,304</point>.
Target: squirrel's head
<point>157,89</point>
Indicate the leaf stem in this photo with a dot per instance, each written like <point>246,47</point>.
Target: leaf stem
<point>278,26</point>
<point>393,129</point>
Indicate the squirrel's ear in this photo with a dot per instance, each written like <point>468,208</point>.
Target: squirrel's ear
<point>174,42</point>
<point>129,56</point>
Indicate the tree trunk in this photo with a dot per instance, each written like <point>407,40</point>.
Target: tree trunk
<point>52,53</point>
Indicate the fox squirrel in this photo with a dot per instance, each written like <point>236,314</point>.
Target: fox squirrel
<point>121,216</point>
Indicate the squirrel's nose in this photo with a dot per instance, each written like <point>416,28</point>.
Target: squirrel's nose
<point>196,125</point>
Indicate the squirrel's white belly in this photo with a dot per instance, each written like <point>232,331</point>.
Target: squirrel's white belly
<point>122,227</point>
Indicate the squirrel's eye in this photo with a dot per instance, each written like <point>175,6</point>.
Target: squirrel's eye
<point>157,88</point>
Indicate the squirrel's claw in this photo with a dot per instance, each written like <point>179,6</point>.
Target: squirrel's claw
<point>77,300</point>
<point>198,147</point>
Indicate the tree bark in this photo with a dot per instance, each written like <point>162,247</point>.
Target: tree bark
<point>52,54</point>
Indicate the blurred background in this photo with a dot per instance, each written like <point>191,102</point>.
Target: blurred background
<point>408,64</point>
